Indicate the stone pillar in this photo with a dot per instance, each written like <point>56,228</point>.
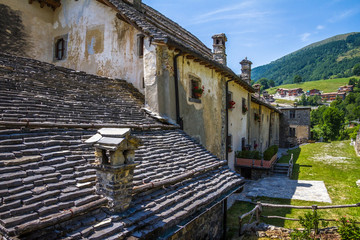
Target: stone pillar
<point>219,48</point>
<point>246,70</point>
<point>114,162</point>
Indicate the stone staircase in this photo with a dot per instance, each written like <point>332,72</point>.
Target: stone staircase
<point>280,169</point>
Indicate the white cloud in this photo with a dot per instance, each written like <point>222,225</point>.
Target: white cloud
<point>342,15</point>
<point>305,37</point>
<point>244,11</point>
<point>319,27</point>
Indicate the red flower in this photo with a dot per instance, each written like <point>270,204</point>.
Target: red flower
<point>196,87</point>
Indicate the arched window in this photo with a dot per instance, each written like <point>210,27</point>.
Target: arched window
<point>60,49</point>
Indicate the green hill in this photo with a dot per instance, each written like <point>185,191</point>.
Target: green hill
<point>327,86</point>
<point>331,58</point>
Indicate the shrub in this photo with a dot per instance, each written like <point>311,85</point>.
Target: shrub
<point>348,229</point>
<point>270,152</point>
<point>248,154</point>
<point>309,222</point>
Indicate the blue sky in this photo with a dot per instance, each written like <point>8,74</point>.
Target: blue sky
<point>262,30</point>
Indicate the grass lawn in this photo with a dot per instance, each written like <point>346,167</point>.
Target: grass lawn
<point>334,163</point>
<point>283,101</point>
<point>327,85</point>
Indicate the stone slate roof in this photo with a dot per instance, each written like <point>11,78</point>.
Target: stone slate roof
<point>34,91</point>
<point>47,182</point>
<point>46,179</point>
<point>164,30</point>
<point>263,103</point>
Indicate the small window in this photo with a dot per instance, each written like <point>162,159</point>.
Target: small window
<point>244,106</point>
<point>140,45</point>
<point>229,143</point>
<point>292,132</point>
<point>196,88</point>
<point>292,113</point>
<point>60,49</point>
<point>231,102</point>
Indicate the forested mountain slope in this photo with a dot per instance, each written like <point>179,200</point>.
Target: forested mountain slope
<point>332,57</point>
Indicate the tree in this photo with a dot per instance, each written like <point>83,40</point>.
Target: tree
<point>356,69</point>
<point>333,120</point>
<point>297,79</point>
<point>264,83</point>
<point>352,81</point>
<point>271,83</point>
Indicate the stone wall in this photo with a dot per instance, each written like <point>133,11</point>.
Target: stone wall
<point>301,123</point>
<point>207,226</point>
<point>357,144</point>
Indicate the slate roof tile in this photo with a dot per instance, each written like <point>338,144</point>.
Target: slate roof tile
<point>31,94</point>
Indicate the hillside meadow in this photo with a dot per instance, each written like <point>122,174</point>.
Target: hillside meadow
<point>335,163</point>
<point>327,85</point>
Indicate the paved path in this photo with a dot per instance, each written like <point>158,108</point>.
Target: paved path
<point>282,187</point>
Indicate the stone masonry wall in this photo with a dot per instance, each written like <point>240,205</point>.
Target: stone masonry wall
<point>207,226</point>
<point>357,144</point>
<point>301,123</point>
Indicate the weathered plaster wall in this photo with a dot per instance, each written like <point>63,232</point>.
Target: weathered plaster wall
<point>98,42</point>
<point>255,126</point>
<point>237,121</point>
<point>265,128</point>
<point>207,226</point>
<point>204,121</point>
<point>302,132</point>
<point>26,29</point>
<point>275,129</point>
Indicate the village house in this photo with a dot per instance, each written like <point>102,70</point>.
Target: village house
<point>146,180</point>
<point>346,89</point>
<point>313,92</point>
<point>134,42</point>
<point>176,96</point>
<point>294,126</point>
<point>329,97</point>
<point>290,94</point>
<point>341,93</point>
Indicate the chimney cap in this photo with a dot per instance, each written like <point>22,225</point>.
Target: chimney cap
<point>221,35</point>
<point>110,138</point>
<point>245,61</point>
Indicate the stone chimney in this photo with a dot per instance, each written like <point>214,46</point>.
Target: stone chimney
<point>246,70</point>
<point>219,49</point>
<point>114,164</point>
<point>135,3</point>
<point>257,88</point>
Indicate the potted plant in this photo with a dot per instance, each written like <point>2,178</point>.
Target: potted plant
<point>231,104</point>
<point>244,109</point>
<point>198,91</point>
<point>257,117</point>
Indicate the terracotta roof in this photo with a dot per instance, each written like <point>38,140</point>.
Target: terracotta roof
<point>164,30</point>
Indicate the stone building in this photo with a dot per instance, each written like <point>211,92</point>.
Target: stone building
<point>131,41</point>
<point>294,126</point>
<point>264,125</point>
<point>146,180</point>
<point>173,97</point>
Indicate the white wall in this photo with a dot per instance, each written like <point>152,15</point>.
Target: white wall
<point>237,121</point>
